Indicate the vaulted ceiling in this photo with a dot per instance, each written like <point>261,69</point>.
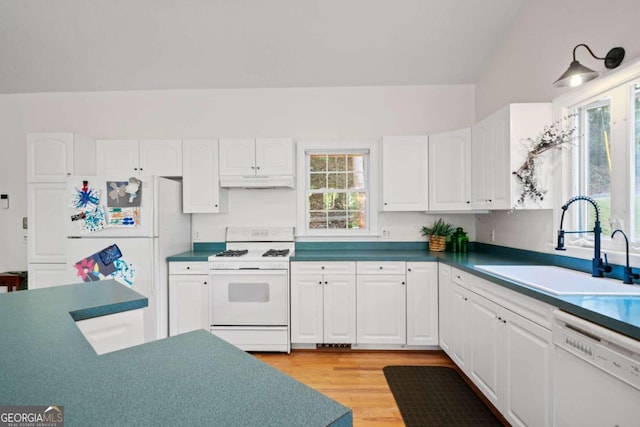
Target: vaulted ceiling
<point>89,45</point>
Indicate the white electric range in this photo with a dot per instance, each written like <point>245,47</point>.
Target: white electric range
<point>249,288</point>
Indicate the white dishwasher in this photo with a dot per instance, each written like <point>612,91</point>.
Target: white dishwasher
<point>597,375</point>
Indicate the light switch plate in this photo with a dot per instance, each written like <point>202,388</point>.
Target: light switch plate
<point>25,223</point>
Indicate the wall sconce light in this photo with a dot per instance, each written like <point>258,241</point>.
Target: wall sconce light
<point>577,73</point>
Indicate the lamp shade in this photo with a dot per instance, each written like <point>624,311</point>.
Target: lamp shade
<point>575,75</point>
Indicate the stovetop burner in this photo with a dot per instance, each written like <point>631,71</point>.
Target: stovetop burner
<point>232,252</point>
<point>276,252</point>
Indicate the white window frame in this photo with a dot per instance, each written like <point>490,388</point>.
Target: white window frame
<point>616,85</point>
<point>302,164</point>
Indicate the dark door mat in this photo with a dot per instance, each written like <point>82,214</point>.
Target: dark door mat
<point>436,396</point>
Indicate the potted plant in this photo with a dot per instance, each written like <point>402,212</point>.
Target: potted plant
<point>438,234</point>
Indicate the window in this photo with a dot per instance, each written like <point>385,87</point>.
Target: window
<point>605,160</point>
<point>594,171</point>
<point>635,149</point>
<point>337,191</point>
<point>336,196</point>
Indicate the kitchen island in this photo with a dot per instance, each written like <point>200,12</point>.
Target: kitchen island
<point>189,379</point>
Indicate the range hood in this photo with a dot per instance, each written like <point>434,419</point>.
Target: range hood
<point>257,181</point>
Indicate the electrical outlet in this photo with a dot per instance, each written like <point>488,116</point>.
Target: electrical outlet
<point>386,234</point>
<point>24,223</point>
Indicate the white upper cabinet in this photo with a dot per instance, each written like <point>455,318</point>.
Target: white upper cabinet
<point>201,192</point>
<point>51,157</point>
<point>237,156</point>
<point>405,185</point>
<point>253,159</point>
<point>499,146</point>
<point>450,170</point>
<point>47,213</point>
<point>141,158</point>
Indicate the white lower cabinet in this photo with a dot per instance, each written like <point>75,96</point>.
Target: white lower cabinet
<point>114,331</point>
<point>422,303</point>
<point>381,305</point>
<point>323,302</point>
<point>388,303</point>
<point>507,356</point>
<point>452,322</point>
<point>188,297</point>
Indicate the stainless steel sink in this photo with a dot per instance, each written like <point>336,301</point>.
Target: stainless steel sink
<point>560,281</point>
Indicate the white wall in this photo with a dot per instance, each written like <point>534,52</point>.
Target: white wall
<point>304,113</point>
<point>534,53</point>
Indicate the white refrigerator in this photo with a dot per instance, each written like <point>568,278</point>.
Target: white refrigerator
<point>128,242</point>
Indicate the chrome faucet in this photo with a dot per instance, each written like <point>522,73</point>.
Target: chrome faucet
<point>628,275</point>
<point>598,267</point>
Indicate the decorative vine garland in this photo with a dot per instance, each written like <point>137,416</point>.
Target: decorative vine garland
<point>551,137</point>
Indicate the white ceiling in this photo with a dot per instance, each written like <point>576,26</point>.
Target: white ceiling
<point>87,45</point>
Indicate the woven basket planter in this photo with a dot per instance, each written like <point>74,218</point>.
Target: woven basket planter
<point>437,243</point>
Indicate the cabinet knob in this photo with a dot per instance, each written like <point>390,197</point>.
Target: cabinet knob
<point>215,206</point>
<point>320,282</point>
<point>135,169</point>
<point>381,268</point>
<point>322,267</point>
<point>468,202</point>
<point>325,282</point>
<point>408,269</point>
<point>188,268</point>
<point>253,167</point>
<point>205,283</point>
<point>258,167</point>
<point>385,203</point>
<point>403,283</point>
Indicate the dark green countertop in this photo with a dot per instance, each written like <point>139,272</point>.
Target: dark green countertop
<point>189,379</point>
<point>191,256</point>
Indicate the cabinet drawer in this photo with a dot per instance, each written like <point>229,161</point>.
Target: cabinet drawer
<point>460,277</point>
<point>381,267</point>
<point>319,267</point>
<point>191,267</point>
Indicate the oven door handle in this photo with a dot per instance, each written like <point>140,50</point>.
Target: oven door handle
<point>248,271</point>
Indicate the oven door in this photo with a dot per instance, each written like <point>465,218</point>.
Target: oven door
<point>249,297</point>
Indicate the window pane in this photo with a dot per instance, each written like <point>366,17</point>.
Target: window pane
<point>318,162</point>
<point>317,220</point>
<point>596,149</point>
<point>318,180</point>
<point>337,181</point>
<point>636,149</point>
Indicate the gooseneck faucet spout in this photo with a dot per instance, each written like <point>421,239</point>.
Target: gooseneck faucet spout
<point>628,275</point>
<point>598,267</point>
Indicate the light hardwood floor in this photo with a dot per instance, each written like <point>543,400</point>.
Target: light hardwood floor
<point>354,378</point>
